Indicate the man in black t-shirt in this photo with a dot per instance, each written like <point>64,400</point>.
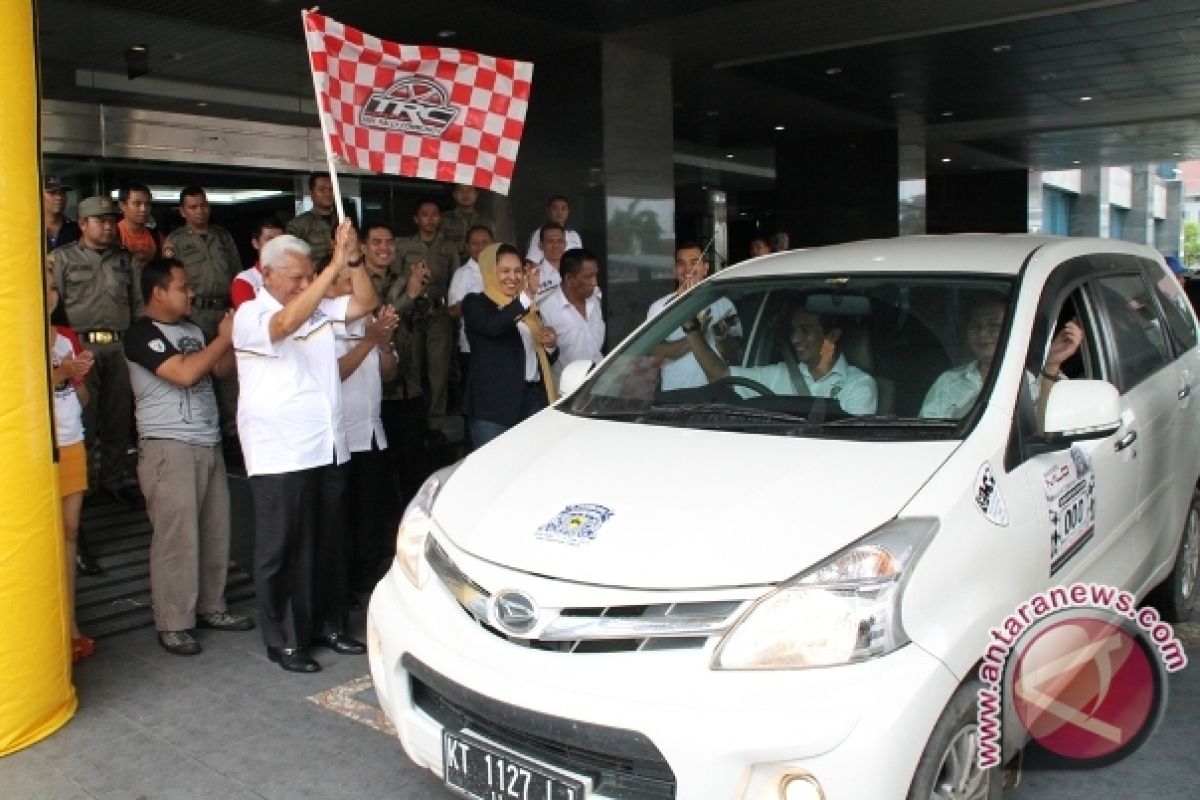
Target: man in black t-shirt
<point>180,465</point>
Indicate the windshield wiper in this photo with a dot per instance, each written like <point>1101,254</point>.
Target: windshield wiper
<point>720,410</point>
<point>889,421</point>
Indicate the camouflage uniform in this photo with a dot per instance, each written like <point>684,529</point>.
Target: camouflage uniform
<point>100,293</point>
<point>212,261</point>
<point>455,225</point>
<point>431,348</point>
<point>317,230</point>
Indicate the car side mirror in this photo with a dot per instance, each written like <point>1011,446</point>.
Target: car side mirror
<point>1081,410</point>
<point>573,376</point>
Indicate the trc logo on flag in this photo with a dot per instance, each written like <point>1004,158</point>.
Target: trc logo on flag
<point>410,105</point>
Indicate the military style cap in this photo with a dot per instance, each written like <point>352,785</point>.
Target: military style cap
<point>98,206</point>
<point>53,183</point>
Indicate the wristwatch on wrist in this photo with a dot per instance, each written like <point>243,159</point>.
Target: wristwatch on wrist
<point>1058,376</point>
<point>355,262</point>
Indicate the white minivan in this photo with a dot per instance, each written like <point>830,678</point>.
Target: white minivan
<point>756,552</point>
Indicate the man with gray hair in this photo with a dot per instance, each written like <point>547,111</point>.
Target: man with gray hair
<point>293,437</point>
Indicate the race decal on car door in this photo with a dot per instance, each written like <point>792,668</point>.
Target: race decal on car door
<point>1071,500</point>
<point>988,499</point>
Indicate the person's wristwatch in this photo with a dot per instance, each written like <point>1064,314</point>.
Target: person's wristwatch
<point>355,262</point>
<point>1058,376</point>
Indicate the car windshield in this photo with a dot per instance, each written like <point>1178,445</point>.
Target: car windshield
<point>865,357</point>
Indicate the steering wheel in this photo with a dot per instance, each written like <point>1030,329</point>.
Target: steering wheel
<point>748,383</point>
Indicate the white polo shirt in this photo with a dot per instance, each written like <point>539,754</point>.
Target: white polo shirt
<point>579,338</point>
<point>854,389</point>
<point>535,254</point>
<point>548,280</point>
<point>361,391</point>
<point>685,372</point>
<point>290,401</point>
<point>466,280</point>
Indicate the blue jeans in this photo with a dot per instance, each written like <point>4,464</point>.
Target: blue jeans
<point>483,431</point>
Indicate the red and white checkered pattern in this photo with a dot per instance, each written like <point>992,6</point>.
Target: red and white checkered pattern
<point>491,96</point>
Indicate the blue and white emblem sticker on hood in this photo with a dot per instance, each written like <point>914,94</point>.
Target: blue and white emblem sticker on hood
<point>576,524</point>
<point>988,499</point>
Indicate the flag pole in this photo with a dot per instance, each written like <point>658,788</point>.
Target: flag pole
<point>333,176</point>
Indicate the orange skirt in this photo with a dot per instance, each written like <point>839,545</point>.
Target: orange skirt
<point>72,469</point>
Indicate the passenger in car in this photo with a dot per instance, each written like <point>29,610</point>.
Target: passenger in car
<point>813,366</point>
<point>955,390</point>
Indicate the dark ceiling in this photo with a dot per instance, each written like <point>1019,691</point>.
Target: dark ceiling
<point>994,84</point>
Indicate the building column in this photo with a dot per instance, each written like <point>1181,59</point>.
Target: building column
<point>600,124</point>
<point>1139,227</point>
<point>912,187</point>
<point>1171,230</point>
<point>1089,215</point>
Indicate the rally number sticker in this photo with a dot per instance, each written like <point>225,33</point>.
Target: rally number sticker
<point>1070,485</point>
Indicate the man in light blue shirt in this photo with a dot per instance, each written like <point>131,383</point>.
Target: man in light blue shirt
<point>820,370</point>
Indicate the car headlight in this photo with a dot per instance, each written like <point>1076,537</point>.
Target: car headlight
<point>844,609</point>
<point>415,526</point>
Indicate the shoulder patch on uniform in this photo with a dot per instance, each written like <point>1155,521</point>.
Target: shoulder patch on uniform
<point>157,345</point>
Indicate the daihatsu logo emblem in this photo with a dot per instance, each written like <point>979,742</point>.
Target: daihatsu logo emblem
<point>515,612</point>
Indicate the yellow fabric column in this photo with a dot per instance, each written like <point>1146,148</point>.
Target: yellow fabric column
<point>36,695</point>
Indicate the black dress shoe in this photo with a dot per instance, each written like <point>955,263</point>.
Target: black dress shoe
<point>293,659</point>
<point>86,563</point>
<point>341,643</point>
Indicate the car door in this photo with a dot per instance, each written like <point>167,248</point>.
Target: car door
<point>1143,368</point>
<point>1086,492</point>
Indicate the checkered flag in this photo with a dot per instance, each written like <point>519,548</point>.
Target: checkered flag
<point>419,111</point>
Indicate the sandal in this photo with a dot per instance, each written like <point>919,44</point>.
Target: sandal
<point>82,647</point>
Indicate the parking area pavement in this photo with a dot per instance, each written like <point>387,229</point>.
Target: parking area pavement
<point>230,724</point>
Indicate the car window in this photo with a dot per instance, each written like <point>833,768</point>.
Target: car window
<point>1176,309</point>
<point>811,354</point>
<point>1140,345</point>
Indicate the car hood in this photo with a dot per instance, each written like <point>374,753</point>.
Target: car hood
<point>653,507</point>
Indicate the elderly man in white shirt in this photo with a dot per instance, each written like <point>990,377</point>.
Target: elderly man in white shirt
<point>293,435</point>
<point>573,310</point>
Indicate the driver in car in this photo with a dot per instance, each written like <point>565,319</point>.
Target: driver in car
<point>814,368</point>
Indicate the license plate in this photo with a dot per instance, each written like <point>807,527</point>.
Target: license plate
<point>478,768</point>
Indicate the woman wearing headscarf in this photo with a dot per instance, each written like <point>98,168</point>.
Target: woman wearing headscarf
<point>511,350</point>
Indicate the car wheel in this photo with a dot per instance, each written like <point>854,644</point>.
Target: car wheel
<point>1175,597</point>
<point>949,768</point>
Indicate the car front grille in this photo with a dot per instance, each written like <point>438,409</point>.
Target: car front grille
<point>622,764</point>
<point>611,629</point>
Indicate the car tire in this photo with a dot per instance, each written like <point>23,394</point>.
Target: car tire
<point>949,767</point>
<point>1175,597</point>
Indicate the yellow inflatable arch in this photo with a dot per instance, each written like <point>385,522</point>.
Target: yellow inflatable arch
<point>36,694</point>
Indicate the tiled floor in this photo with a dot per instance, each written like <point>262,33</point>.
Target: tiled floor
<point>225,724</point>
<point>228,724</point>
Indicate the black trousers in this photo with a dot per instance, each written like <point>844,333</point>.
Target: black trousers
<point>404,422</point>
<point>372,514</point>
<point>299,555</point>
